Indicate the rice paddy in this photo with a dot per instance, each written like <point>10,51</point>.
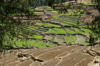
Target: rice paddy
<point>45,34</point>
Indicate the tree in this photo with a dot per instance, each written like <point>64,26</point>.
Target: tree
<point>9,25</point>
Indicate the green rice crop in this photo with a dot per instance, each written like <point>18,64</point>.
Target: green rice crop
<point>77,30</point>
<point>51,45</point>
<point>61,31</point>
<point>87,31</point>
<point>48,24</point>
<point>67,39</point>
<point>20,43</point>
<point>70,31</point>
<point>52,31</point>
<point>65,24</point>
<point>54,11</point>
<point>35,42</point>
<point>31,28</point>
<point>41,45</point>
<point>86,43</point>
<point>36,36</point>
<point>73,39</point>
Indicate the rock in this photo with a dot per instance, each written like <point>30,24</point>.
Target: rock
<point>85,51</point>
<point>77,51</point>
<point>97,64</point>
<point>97,59</point>
<point>92,53</point>
<point>23,59</point>
<point>22,55</point>
<point>93,64</point>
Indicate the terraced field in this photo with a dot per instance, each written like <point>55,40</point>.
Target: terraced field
<point>55,41</point>
<point>56,29</point>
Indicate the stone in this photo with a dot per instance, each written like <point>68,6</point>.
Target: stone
<point>97,64</point>
<point>22,59</point>
<point>92,53</point>
<point>97,59</point>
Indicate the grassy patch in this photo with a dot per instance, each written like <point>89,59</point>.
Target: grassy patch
<point>67,39</point>
<point>52,31</point>
<point>51,45</point>
<point>59,15</point>
<point>20,43</point>
<point>61,31</point>
<point>69,31</point>
<point>48,24</point>
<point>54,25</point>
<point>74,12</point>
<point>36,37</point>
<point>65,24</point>
<point>73,39</point>
<point>31,28</point>
<point>86,43</point>
<point>77,30</point>
<point>41,45</point>
<point>87,30</point>
<point>35,42</point>
<point>47,8</point>
<point>88,3</point>
<point>54,11</point>
<point>9,43</point>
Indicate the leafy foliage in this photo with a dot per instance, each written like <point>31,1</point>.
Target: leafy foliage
<point>9,25</point>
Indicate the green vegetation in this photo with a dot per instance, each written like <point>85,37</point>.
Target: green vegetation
<point>47,8</point>
<point>34,44</point>
<point>36,37</point>
<point>61,31</point>
<point>51,45</point>
<point>73,39</point>
<point>86,43</point>
<point>54,11</point>
<point>88,3</point>
<point>31,27</point>
<point>77,30</point>
<point>15,33</point>
<point>52,31</point>
<point>67,39</point>
<point>87,30</point>
<point>42,45</point>
<point>48,24</point>
<point>69,31</point>
<point>59,15</point>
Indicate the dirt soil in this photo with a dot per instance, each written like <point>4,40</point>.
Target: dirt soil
<point>53,56</point>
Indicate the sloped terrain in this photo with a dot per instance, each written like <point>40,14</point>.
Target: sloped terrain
<point>56,41</point>
<point>53,56</point>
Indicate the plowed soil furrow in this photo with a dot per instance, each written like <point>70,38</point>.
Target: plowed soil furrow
<point>52,62</point>
<point>35,64</point>
<point>25,63</point>
<point>73,59</point>
<point>7,59</point>
<point>84,62</point>
<point>39,52</point>
<point>52,54</point>
<point>13,63</point>
<point>69,51</point>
